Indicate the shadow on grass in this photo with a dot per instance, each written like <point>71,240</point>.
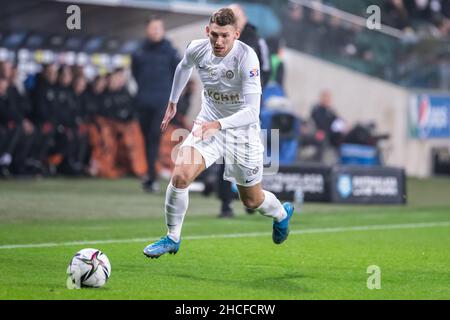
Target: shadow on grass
<point>288,284</point>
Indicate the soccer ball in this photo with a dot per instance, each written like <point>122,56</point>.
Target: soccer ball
<point>88,268</point>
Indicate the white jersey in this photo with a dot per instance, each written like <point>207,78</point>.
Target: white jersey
<point>231,95</point>
<point>225,79</point>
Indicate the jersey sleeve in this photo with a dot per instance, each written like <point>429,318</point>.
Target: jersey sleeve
<point>182,74</point>
<point>188,58</point>
<point>248,115</point>
<point>251,74</point>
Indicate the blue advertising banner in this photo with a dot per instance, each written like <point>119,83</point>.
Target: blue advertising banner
<point>368,185</point>
<point>429,116</point>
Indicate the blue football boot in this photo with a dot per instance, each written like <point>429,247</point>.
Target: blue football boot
<point>165,245</point>
<point>281,229</point>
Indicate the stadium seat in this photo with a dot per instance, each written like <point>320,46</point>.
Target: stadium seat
<point>357,154</point>
<point>289,126</point>
<point>272,89</point>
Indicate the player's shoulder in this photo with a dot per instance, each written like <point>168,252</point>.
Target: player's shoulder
<point>196,49</point>
<point>246,54</point>
<point>197,45</point>
<point>245,51</point>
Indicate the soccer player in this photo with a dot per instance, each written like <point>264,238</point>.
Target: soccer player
<point>227,126</point>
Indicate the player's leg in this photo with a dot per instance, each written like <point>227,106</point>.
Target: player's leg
<point>225,194</point>
<point>265,202</point>
<point>188,166</point>
<point>244,166</point>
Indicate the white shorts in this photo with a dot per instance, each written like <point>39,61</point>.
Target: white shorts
<point>241,148</point>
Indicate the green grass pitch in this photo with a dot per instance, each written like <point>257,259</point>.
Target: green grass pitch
<point>43,223</point>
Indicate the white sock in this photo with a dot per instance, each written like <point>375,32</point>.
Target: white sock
<point>272,207</point>
<point>177,201</point>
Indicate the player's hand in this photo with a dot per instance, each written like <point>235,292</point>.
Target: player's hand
<point>170,113</point>
<point>207,129</point>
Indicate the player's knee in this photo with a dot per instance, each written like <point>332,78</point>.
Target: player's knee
<point>181,180</point>
<point>251,203</point>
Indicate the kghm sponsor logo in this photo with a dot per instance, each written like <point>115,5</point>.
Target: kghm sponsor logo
<point>223,97</point>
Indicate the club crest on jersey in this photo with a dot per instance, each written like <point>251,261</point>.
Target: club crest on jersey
<point>254,73</point>
<point>213,73</point>
<point>229,74</point>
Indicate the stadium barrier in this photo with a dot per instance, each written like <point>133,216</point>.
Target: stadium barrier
<point>312,180</point>
<point>339,184</point>
<point>368,185</point>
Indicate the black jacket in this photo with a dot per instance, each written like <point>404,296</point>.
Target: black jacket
<point>82,105</point>
<point>45,103</point>
<point>153,67</point>
<point>95,105</point>
<point>9,112</point>
<point>122,106</point>
<point>323,118</point>
<point>250,37</point>
<point>22,101</point>
<point>66,107</point>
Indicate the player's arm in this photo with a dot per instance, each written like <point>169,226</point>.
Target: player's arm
<point>251,88</point>
<point>248,115</point>
<point>181,77</point>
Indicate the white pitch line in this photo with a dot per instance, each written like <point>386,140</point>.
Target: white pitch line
<point>236,235</point>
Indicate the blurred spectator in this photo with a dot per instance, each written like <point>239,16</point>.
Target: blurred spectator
<point>96,123</point>
<point>95,98</point>
<point>396,14</point>
<point>9,130</point>
<point>249,36</point>
<point>293,27</point>
<point>329,126</point>
<point>25,161</point>
<point>124,125</point>
<point>43,97</point>
<point>82,120</point>
<point>315,32</point>
<point>153,67</point>
<point>337,39</point>
<point>115,135</point>
<point>276,61</point>
<point>65,153</point>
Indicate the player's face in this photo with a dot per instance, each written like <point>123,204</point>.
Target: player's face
<point>221,38</point>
